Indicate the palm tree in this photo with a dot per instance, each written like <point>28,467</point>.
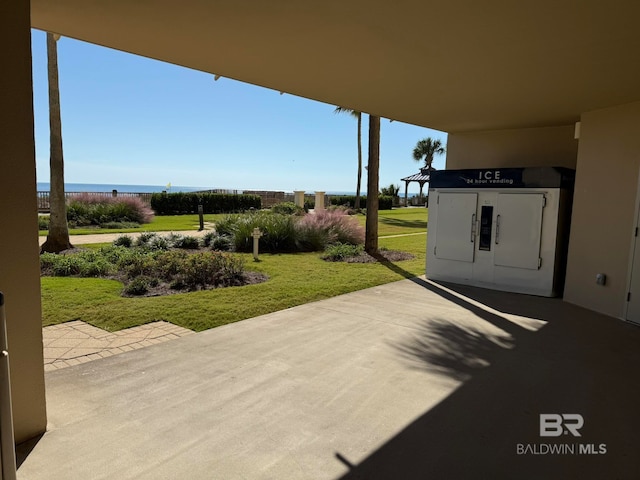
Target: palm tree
<point>426,149</point>
<point>373,169</point>
<point>358,116</point>
<point>58,237</point>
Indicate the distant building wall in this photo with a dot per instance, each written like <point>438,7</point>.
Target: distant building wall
<point>269,199</point>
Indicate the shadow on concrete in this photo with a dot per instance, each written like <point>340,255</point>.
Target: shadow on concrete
<point>578,362</point>
<point>24,449</point>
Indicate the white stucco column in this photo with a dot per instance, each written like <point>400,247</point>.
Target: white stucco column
<point>19,259</point>
<point>298,198</point>
<point>319,201</point>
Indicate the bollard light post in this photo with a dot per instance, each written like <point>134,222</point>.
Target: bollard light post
<point>256,238</point>
<point>200,212</point>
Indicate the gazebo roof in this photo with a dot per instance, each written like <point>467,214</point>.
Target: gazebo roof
<point>417,177</point>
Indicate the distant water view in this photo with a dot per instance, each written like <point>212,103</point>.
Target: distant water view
<point>97,187</point>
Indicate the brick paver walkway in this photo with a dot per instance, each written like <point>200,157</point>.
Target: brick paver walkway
<point>76,342</point>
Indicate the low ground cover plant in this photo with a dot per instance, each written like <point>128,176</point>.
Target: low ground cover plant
<point>355,254</point>
<point>341,251</point>
<point>288,233</point>
<point>153,266</point>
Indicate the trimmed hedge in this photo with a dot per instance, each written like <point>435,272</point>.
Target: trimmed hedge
<point>182,203</point>
<point>385,202</point>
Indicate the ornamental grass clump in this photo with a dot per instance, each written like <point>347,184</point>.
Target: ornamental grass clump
<point>336,225</point>
<point>288,233</point>
<point>97,210</point>
<point>278,231</point>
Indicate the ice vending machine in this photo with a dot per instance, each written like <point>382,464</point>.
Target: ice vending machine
<point>500,228</point>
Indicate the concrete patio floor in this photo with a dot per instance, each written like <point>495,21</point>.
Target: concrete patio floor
<point>409,380</point>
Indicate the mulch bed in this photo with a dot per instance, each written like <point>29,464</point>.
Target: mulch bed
<point>163,288</point>
<point>382,256</point>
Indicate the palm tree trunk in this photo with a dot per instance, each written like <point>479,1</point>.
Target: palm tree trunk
<point>58,238</point>
<point>357,203</point>
<point>373,169</point>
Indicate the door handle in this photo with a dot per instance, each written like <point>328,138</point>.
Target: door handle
<point>473,227</point>
<point>497,229</point>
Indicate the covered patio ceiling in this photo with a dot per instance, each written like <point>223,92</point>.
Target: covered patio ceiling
<point>454,66</point>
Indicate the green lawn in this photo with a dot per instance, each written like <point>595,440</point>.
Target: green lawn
<point>165,223</point>
<point>294,279</point>
<point>391,222</point>
<point>402,221</point>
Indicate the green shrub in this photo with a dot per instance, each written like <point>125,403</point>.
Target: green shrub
<point>140,263</point>
<point>169,264</point>
<point>287,208</point>
<point>182,203</point>
<point>158,243</point>
<point>142,268</point>
<point>47,260</point>
<point>137,286</point>
<point>123,241</point>
<point>43,222</point>
<point>217,242</point>
<point>342,251</point>
<point>187,242</point>
<point>222,243</point>
<point>207,238</point>
<point>144,239</point>
<point>385,202</point>
<point>348,200</point>
<point>67,265</point>
<point>99,267</point>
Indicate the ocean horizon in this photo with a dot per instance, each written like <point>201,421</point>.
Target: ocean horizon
<point>98,187</point>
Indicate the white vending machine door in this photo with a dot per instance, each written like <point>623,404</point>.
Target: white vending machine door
<point>455,231</point>
<point>518,230</point>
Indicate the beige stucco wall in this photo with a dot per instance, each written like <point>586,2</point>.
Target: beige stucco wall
<point>604,206</point>
<point>525,147</point>
<point>19,268</point>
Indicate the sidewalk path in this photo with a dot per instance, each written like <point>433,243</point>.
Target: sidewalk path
<point>403,235</point>
<point>110,237</point>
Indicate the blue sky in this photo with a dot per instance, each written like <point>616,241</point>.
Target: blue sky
<point>131,120</point>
